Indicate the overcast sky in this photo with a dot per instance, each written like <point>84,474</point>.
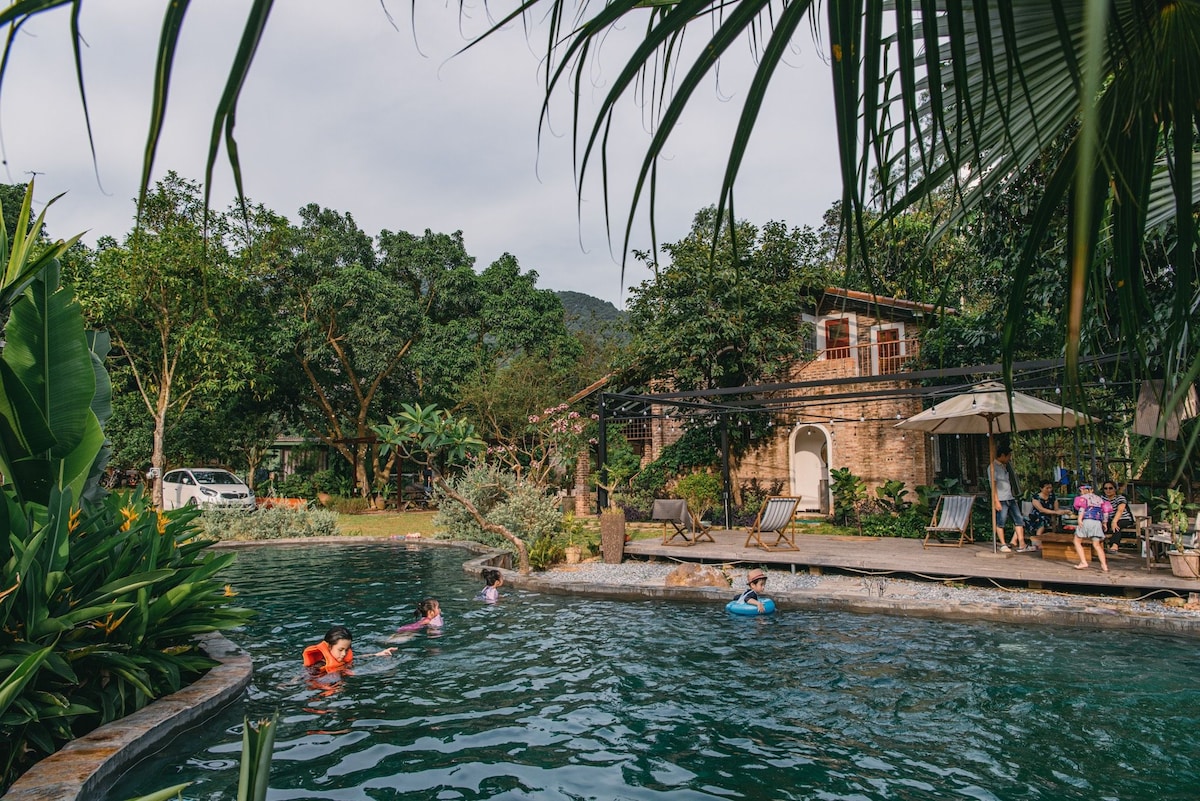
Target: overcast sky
<point>389,125</point>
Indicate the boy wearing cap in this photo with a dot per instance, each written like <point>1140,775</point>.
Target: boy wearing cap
<point>1092,511</point>
<point>756,580</point>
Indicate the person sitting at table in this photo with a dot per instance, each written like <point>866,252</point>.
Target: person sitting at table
<point>1121,521</point>
<point>1041,516</point>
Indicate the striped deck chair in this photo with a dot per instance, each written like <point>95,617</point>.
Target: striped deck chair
<point>951,523</point>
<point>777,516</point>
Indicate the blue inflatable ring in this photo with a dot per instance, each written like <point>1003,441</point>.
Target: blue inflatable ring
<point>739,608</point>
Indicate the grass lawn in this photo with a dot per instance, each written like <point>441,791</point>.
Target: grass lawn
<point>386,524</point>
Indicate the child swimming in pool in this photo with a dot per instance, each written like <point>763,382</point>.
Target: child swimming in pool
<point>755,580</point>
<point>334,652</point>
<point>429,615</point>
<point>492,581</point>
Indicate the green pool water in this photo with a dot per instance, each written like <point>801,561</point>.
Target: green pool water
<point>548,697</point>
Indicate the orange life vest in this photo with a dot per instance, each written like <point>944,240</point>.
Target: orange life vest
<point>314,655</point>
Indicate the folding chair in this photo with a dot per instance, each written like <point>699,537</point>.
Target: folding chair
<point>951,521</point>
<point>777,516</point>
<point>678,521</point>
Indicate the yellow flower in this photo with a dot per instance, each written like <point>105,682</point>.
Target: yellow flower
<point>111,625</point>
<point>130,514</point>
<point>162,523</point>
<point>229,591</point>
<point>73,519</point>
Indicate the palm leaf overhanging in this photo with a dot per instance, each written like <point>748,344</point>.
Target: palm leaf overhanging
<point>950,100</point>
<point>934,98</point>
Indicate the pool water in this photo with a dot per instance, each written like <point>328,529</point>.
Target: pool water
<point>548,697</point>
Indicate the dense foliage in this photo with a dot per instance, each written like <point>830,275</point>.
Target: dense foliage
<point>101,596</point>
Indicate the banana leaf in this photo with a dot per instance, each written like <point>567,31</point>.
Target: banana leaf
<point>14,682</point>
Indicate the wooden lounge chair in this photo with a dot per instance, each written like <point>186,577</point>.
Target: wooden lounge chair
<point>678,521</point>
<point>777,516</point>
<point>951,523</point>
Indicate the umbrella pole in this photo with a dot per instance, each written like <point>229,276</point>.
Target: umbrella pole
<point>992,481</point>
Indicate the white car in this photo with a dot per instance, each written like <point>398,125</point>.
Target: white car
<point>205,486</point>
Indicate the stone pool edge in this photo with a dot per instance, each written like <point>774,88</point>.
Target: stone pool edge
<point>1085,613</point>
<point>84,768</point>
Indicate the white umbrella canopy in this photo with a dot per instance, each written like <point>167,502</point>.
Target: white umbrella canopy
<point>988,408</point>
<point>985,409</point>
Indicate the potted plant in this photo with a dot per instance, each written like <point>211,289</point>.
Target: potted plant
<point>612,518</point>
<point>573,527</point>
<point>1174,513</point>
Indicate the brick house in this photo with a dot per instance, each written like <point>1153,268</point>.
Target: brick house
<point>836,416</point>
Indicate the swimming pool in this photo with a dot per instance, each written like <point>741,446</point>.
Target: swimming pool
<point>548,697</point>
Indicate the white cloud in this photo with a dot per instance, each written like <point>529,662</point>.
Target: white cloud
<point>344,110</point>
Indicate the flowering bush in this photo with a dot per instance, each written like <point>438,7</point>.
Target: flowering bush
<point>549,444</point>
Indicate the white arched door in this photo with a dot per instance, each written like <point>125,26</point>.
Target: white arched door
<point>809,459</point>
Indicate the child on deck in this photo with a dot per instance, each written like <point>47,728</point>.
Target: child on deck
<point>491,592</point>
<point>1092,511</point>
<point>334,653</point>
<point>429,615</point>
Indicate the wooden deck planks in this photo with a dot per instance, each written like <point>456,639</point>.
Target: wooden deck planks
<point>1127,572</point>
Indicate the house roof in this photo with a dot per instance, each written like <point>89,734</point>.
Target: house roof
<point>837,299</point>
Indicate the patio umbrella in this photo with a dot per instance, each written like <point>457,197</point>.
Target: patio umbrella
<point>987,408</point>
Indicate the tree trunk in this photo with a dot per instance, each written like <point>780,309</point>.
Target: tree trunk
<point>360,470</point>
<point>157,460</point>
<point>486,525</point>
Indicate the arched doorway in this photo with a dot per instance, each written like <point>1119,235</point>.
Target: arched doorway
<point>809,467</point>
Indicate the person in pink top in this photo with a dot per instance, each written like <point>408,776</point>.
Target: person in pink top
<point>429,615</point>
<point>1092,511</point>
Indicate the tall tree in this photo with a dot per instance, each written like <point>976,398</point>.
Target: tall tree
<point>928,96</point>
<point>168,295</point>
<point>711,317</point>
<point>353,317</point>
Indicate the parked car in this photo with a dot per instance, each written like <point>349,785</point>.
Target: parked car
<point>205,486</point>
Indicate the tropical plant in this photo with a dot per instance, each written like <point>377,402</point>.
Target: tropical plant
<point>848,492</point>
<point>1172,511</point>
<point>432,437</point>
<point>892,495</point>
<point>101,596</point>
<point>258,743</point>
<point>956,98</point>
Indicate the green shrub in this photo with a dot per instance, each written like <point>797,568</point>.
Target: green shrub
<point>696,448</point>
<point>907,524</point>
<point>348,506</point>
<point>267,524</point>
<point>115,591</point>
<point>702,491</point>
<point>523,508</point>
<point>101,596</point>
<point>294,485</point>
<point>330,481</point>
<point>484,486</point>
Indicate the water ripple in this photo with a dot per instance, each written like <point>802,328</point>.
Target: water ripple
<point>571,698</point>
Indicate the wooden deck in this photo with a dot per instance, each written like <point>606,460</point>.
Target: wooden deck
<point>1128,574</point>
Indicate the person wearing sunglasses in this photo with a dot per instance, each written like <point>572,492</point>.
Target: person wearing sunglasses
<point>1121,521</point>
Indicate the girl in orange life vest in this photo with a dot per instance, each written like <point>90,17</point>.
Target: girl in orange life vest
<point>334,653</point>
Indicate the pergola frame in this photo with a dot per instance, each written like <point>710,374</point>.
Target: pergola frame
<point>711,402</point>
